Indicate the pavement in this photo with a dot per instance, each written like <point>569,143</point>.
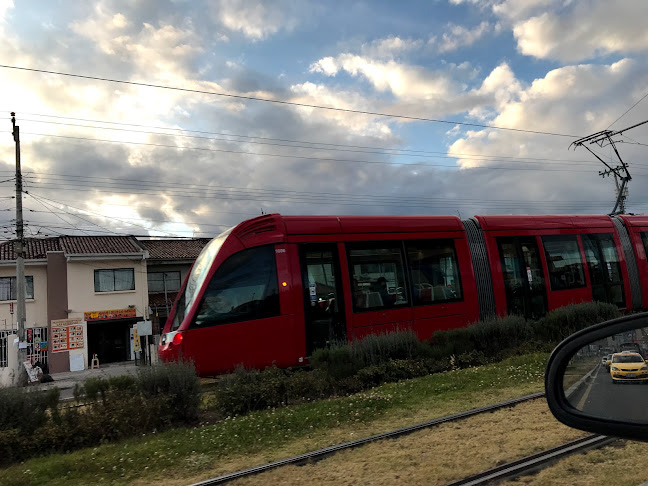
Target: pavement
<point>66,381</point>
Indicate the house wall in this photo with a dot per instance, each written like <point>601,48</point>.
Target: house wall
<point>82,297</point>
<point>36,308</point>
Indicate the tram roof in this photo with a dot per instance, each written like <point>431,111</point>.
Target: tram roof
<point>542,222</point>
<point>636,221</point>
<point>317,225</point>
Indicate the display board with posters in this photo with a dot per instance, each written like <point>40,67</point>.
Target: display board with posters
<point>67,334</point>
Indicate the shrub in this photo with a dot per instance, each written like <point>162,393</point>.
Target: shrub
<point>25,411</point>
<point>490,337</point>
<point>177,383</point>
<point>562,322</point>
<point>245,390</point>
<point>32,424</point>
<point>346,359</point>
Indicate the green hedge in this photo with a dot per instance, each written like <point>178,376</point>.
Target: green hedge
<point>357,365</point>
<point>345,359</point>
<point>561,323</point>
<point>34,423</point>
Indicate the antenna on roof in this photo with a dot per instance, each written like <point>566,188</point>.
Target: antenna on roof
<point>262,213</point>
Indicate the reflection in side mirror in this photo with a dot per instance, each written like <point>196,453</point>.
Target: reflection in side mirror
<point>597,379</point>
<point>590,385</point>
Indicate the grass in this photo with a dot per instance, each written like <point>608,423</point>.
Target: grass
<point>434,457</point>
<point>187,455</point>
<point>623,462</point>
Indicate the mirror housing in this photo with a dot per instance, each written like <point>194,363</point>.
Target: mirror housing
<point>558,403</point>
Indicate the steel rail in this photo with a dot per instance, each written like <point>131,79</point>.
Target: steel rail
<point>329,451</point>
<point>535,462</point>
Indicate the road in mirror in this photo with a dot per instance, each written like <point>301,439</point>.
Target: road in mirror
<point>608,378</point>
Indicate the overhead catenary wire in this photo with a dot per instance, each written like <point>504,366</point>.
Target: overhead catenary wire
<point>266,198</point>
<point>282,102</point>
<point>628,110</point>
<point>304,157</point>
<point>96,214</point>
<point>321,146</point>
<point>141,185</point>
<point>60,217</point>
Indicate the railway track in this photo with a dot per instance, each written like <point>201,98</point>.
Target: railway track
<point>534,463</point>
<point>329,451</point>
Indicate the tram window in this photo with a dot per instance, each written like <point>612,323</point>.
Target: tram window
<point>604,268</point>
<point>564,262</point>
<point>644,240</point>
<point>243,288</point>
<point>378,276</point>
<point>434,270</point>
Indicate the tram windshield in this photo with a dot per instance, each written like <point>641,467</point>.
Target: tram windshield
<point>197,277</point>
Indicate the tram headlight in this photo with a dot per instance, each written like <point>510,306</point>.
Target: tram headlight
<point>174,338</point>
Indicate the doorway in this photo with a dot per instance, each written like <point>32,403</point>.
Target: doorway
<point>324,307</point>
<point>109,340</point>
<point>524,279</point>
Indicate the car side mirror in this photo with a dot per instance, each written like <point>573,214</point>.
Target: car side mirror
<point>583,393</point>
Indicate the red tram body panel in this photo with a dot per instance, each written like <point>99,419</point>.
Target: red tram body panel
<point>275,288</point>
<point>638,231</point>
<point>559,268</point>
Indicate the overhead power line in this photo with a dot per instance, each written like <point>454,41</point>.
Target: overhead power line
<point>283,102</point>
<point>100,215</point>
<point>280,142</point>
<point>298,157</point>
<point>628,110</point>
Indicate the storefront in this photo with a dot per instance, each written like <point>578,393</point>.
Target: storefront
<point>109,334</point>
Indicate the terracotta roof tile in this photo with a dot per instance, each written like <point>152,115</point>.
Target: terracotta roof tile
<point>35,248</point>
<point>75,245</point>
<point>174,249</point>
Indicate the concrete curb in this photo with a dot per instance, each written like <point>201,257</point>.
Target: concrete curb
<point>572,389</point>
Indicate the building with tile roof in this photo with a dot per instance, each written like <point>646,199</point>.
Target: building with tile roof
<point>168,264</point>
<point>85,293</point>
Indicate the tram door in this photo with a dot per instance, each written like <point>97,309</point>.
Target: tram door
<point>524,279</point>
<point>324,309</point>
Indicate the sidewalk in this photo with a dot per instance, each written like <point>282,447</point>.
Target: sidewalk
<point>66,381</point>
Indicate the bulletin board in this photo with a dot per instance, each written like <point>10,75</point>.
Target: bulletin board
<point>67,334</point>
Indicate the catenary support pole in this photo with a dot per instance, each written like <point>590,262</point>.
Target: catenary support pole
<point>20,262</point>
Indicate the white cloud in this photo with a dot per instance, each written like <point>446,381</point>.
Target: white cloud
<point>404,81</point>
<point>516,10</point>
<point>574,100</point>
<point>575,31</point>
<point>5,6</point>
<point>359,124</point>
<point>457,36</point>
<point>390,47</point>
<point>256,19</point>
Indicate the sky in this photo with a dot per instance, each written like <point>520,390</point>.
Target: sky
<point>184,118</point>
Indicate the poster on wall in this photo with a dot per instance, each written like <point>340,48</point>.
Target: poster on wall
<point>67,334</point>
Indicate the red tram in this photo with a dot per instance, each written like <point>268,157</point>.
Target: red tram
<point>274,288</point>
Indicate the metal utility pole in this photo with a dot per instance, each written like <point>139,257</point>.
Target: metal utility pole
<point>620,172</point>
<point>20,261</point>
